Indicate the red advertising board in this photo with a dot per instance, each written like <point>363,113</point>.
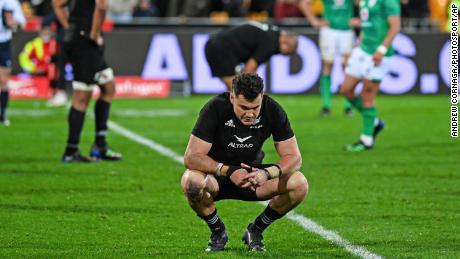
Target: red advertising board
<point>127,87</point>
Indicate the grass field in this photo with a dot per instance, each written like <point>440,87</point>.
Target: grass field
<point>400,200</point>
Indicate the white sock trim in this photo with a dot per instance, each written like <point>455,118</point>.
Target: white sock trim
<point>367,140</point>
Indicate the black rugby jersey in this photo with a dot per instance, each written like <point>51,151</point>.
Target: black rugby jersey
<point>81,14</point>
<point>252,40</point>
<point>232,142</point>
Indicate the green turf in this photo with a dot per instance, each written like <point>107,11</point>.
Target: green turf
<point>399,200</point>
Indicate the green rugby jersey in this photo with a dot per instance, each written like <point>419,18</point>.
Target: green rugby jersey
<point>374,22</point>
<point>337,13</point>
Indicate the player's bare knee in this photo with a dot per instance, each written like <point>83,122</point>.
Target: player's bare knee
<point>298,184</point>
<point>193,185</point>
<point>107,91</point>
<point>327,68</point>
<point>347,92</point>
<point>80,104</point>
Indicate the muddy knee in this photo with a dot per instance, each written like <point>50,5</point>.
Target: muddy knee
<point>193,184</point>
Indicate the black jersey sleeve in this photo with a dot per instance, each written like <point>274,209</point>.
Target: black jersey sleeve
<point>206,124</point>
<point>281,127</point>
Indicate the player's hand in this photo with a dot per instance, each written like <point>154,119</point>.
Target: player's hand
<point>377,58</point>
<point>251,181</point>
<point>354,22</point>
<point>319,23</point>
<point>240,177</point>
<point>97,40</point>
<point>260,176</point>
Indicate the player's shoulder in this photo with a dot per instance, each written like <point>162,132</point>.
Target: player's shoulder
<point>269,102</point>
<point>218,103</point>
<point>220,100</point>
<point>272,107</point>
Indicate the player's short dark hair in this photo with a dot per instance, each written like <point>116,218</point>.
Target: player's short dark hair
<point>250,85</point>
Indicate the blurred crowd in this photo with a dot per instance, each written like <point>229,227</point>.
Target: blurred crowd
<point>123,11</point>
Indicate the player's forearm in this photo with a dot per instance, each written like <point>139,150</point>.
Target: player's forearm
<point>289,163</point>
<point>250,66</point>
<point>305,8</point>
<point>60,10</point>
<point>98,19</point>
<point>395,27</point>
<point>200,162</point>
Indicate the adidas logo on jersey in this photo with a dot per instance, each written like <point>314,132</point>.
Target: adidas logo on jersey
<point>230,123</point>
<point>255,126</point>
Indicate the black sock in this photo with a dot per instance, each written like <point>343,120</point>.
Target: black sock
<point>214,222</point>
<point>4,96</point>
<point>75,120</point>
<point>267,217</point>
<point>101,112</point>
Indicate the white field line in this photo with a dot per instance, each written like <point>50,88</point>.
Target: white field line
<point>301,220</point>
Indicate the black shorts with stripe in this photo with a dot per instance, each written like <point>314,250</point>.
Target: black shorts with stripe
<point>86,57</point>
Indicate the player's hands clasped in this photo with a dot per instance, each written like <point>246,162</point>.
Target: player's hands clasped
<point>241,178</point>
<point>257,176</point>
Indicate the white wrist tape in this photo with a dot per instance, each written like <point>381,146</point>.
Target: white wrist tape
<point>218,168</point>
<point>382,49</point>
<point>273,171</point>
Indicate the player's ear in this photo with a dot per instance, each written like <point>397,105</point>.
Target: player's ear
<point>232,97</point>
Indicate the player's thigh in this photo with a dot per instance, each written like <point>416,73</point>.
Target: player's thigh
<point>221,59</point>
<point>378,73</point>
<point>277,186</point>
<point>327,45</point>
<point>345,42</point>
<point>87,60</point>
<point>4,76</point>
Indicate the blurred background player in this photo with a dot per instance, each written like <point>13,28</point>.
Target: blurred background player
<point>228,137</point>
<point>84,46</point>
<point>336,37</point>
<point>252,43</point>
<point>369,63</point>
<point>39,57</point>
<point>11,18</point>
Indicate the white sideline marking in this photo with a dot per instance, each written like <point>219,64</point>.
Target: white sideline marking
<point>146,142</point>
<point>332,236</point>
<point>303,221</point>
<point>150,113</point>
